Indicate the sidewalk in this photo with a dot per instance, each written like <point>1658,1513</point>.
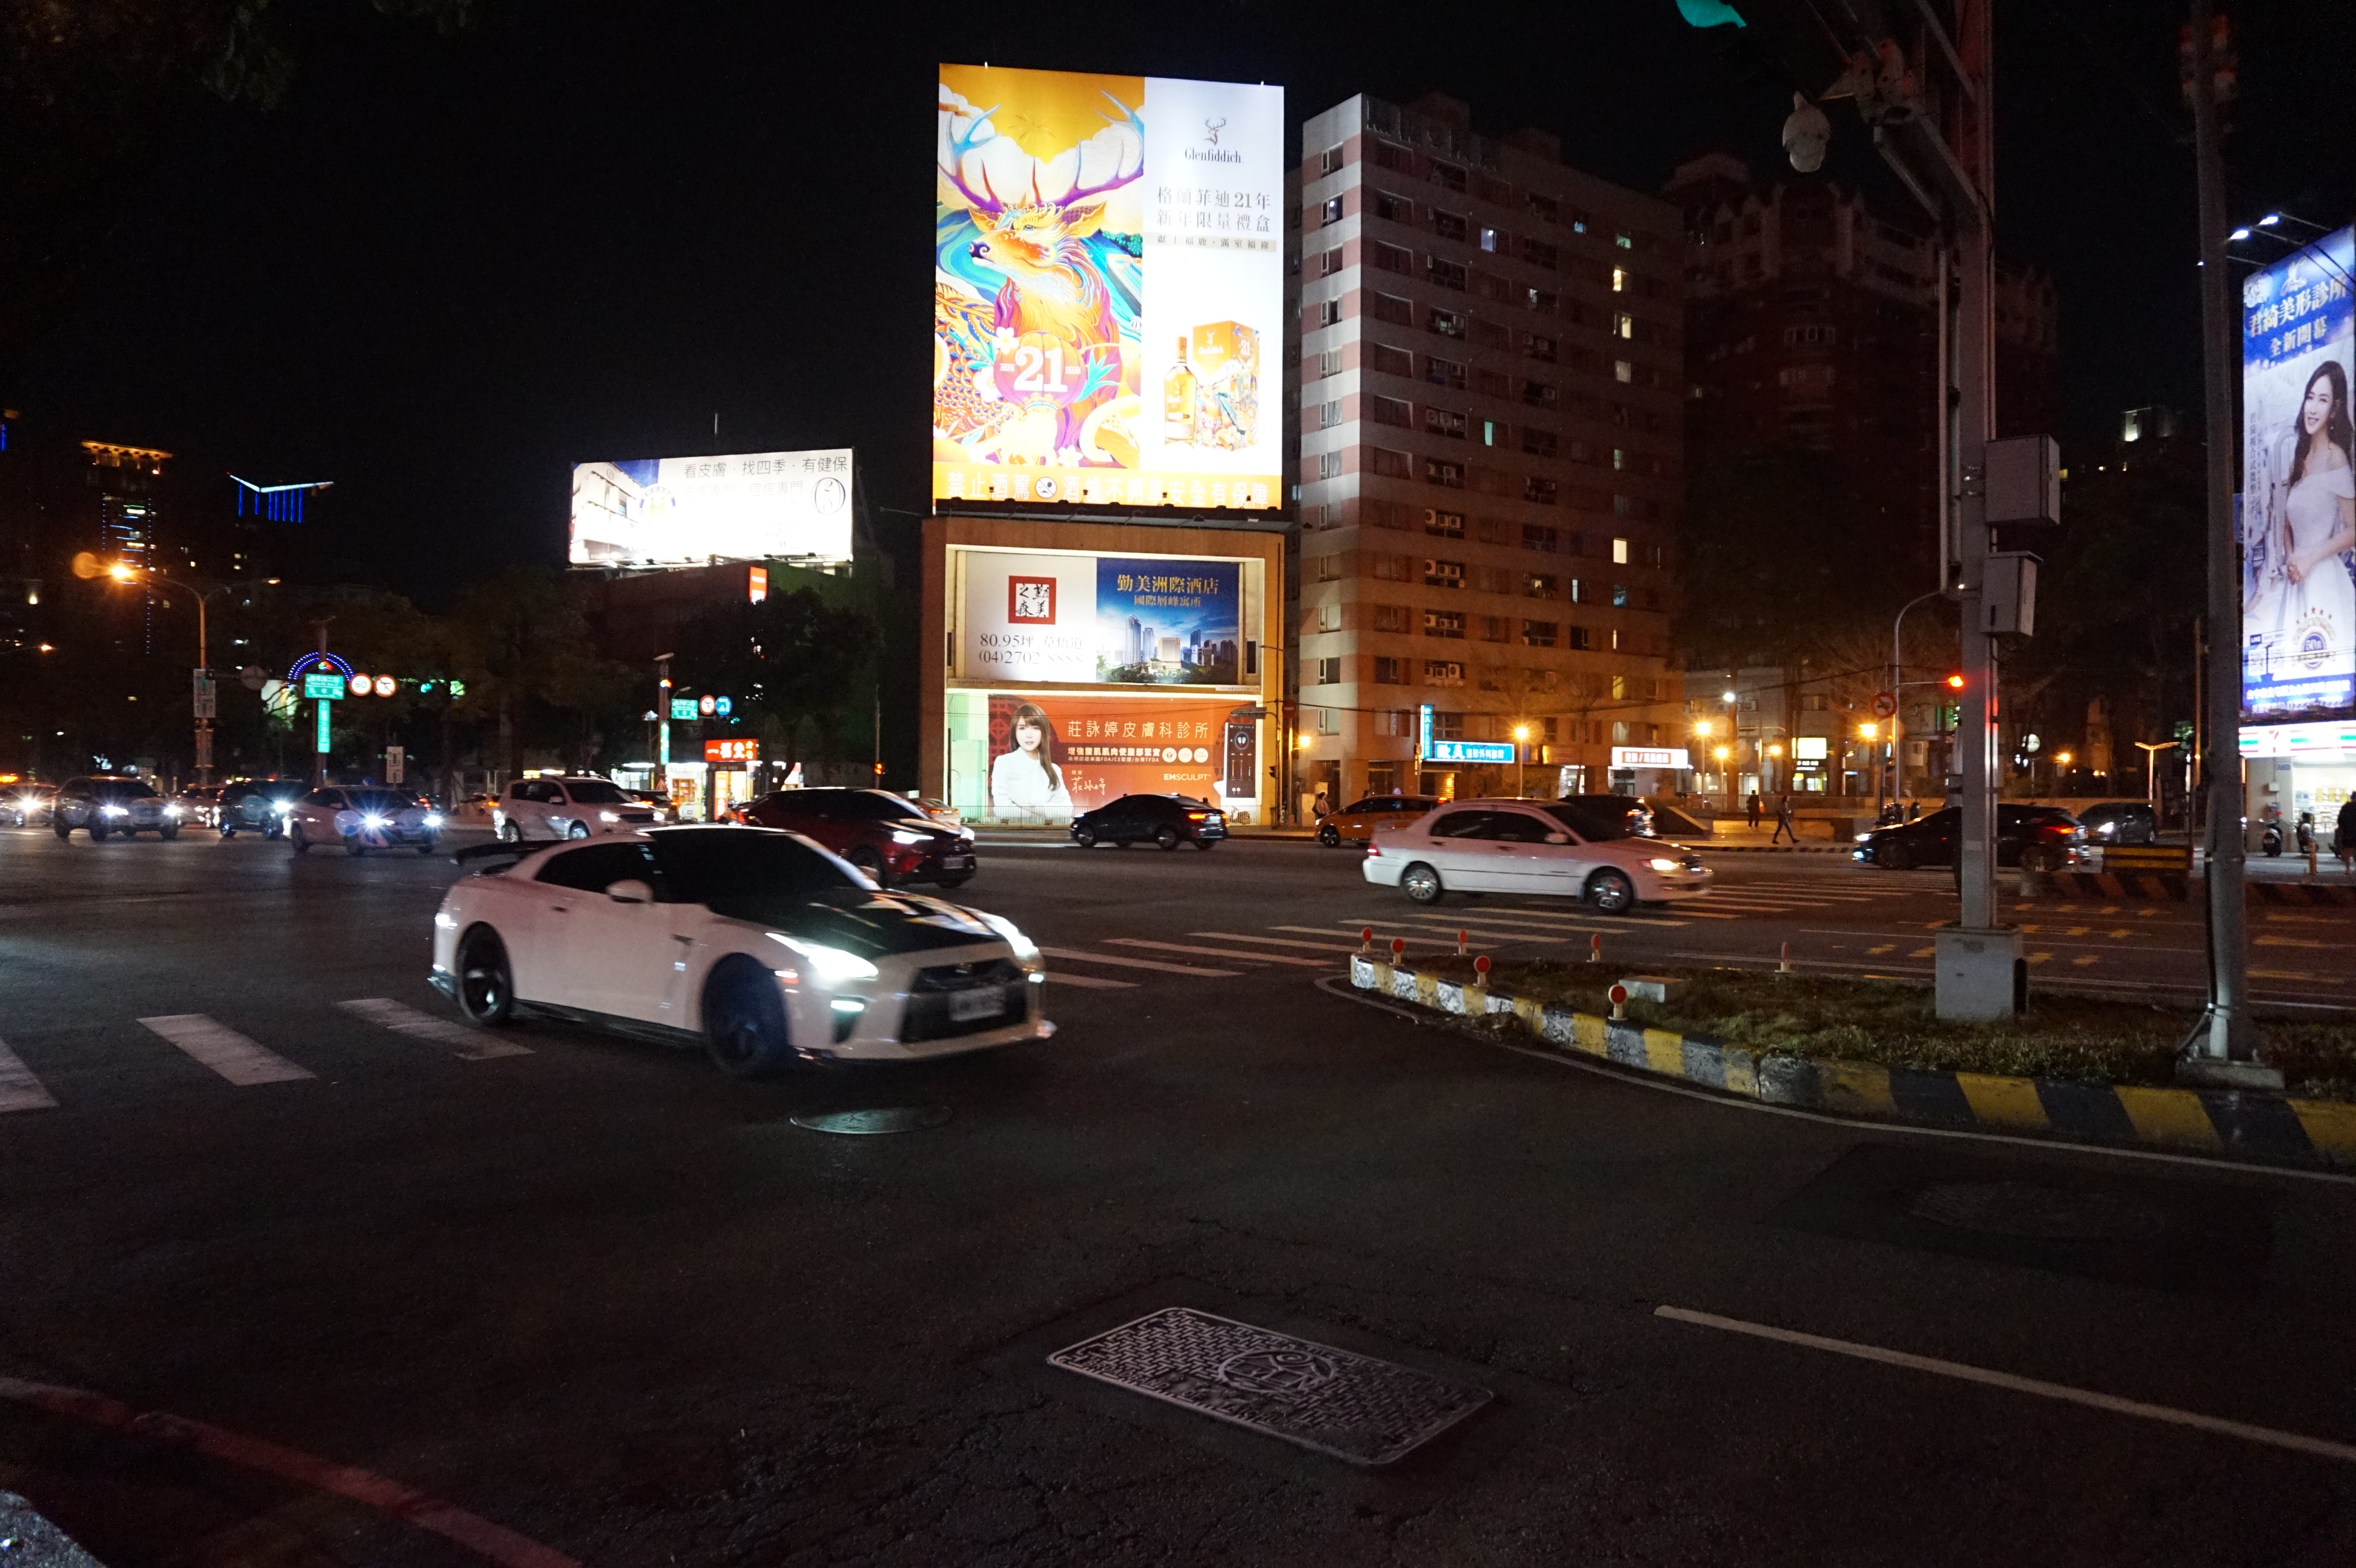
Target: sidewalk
<point>1736,833</point>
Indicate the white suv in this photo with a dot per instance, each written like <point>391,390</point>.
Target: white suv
<point>567,809</point>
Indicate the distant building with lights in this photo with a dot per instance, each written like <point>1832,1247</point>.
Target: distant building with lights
<point>129,513</point>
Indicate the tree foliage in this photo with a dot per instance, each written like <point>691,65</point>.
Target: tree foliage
<point>790,661</point>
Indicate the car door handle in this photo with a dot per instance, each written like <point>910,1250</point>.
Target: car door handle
<point>561,909</point>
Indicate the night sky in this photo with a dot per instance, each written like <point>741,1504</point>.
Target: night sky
<point>446,268</point>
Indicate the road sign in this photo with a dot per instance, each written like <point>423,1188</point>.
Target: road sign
<point>386,686</point>
<point>326,709</point>
<point>207,703</point>
<point>394,759</point>
<point>1885,704</point>
<point>362,685</point>
<point>322,687</point>
<point>253,676</point>
<point>707,704</point>
<point>683,708</point>
<point>1246,713</point>
<point>721,705</point>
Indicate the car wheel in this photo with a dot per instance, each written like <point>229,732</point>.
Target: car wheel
<point>509,832</point>
<point>2037,858</point>
<point>1330,836</point>
<point>1167,838</point>
<point>167,833</point>
<point>871,866</point>
<point>1206,843</point>
<point>97,831</point>
<point>354,847</point>
<point>1086,838</point>
<point>745,1029</point>
<point>485,984</point>
<point>429,846</point>
<point>301,846</point>
<point>229,832</point>
<point>578,830</point>
<point>1420,883</point>
<point>1612,892</point>
<point>65,828</point>
<point>274,830</point>
<point>1894,856</point>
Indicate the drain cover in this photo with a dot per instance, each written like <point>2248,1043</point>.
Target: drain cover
<point>2025,1209</point>
<point>889,1119</point>
<point>1350,1406</point>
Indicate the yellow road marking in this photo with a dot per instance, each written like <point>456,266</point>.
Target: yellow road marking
<point>1922,952</point>
<point>2123,931</point>
<point>1878,952</point>
<point>2108,909</point>
<point>2078,931</point>
<point>2293,942</point>
<point>2033,928</point>
<point>2089,958</point>
<point>2040,957</point>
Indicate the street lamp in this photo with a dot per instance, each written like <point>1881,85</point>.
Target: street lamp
<point>2151,750</point>
<point>1521,734</point>
<point>124,571</point>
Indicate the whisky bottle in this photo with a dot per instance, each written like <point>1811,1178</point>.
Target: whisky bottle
<point>1178,390</point>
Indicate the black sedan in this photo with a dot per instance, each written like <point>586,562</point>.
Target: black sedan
<point>1168,820</point>
<point>2035,838</point>
<point>2120,822</point>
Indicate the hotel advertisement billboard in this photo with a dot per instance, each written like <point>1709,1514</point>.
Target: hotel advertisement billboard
<point>1108,291</point>
<point>689,511</point>
<point>2298,487</point>
<point>1082,619</point>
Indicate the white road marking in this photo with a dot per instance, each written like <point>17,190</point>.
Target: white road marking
<point>2297,1441</point>
<point>1077,956</point>
<point>1089,982</point>
<point>1217,952</point>
<point>1276,941</point>
<point>1453,926</point>
<point>472,1044</point>
<point>19,1090</point>
<point>225,1050</point>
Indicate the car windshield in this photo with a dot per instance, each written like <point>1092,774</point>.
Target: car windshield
<point>594,792</point>
<point>778,879</point>
<point>381,800</point>
<point>860,805</point>
<point>124,789</point>
<point>1593,825</point>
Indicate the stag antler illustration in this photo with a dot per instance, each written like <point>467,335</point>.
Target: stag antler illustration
<point>987,201</point>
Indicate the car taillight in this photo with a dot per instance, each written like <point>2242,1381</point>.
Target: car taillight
<point>1198,817</point>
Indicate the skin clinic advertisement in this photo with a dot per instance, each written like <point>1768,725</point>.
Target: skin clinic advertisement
<point>1100,620</point>
<point>686,511</point>
<point>2298,486</point>
<point>1054,754</point>
<point>1108,291</point>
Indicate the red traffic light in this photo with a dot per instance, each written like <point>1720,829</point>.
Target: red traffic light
<point>1955,681</point>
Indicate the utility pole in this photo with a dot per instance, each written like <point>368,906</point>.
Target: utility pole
<point>2223,1048</point>
<point>662,718</point>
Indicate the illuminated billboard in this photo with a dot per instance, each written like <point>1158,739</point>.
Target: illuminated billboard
<point>1051,754</point>
<point>2298,487</point>
<point>1108,291</point>
<point>688,511</point>
<point>1082,619</point>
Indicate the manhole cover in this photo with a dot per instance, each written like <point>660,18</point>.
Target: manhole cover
<point>1351,1406</point>
<point>890,1119</point>
<point>2024,1208</point>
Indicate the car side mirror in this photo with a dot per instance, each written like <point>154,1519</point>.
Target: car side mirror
<point>1557,837</point>
<point>630,891</point>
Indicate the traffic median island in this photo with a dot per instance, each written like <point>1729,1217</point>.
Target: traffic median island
<point>2078,1068</point>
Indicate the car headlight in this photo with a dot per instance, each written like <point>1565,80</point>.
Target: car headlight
<point>910,839</point>
<point>287,809</point>
<point>609,817</point>
<point>373,822</point>
<point>965,834</point>
<point>114,811</point>
<point>1012,934</point>
<point>831,965</point>
<point>433,819</point>
<point>1660,865</point>
<point>171,811</point>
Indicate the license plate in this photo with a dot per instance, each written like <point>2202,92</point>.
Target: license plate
<point>966,1005</point>
<point>955,862</point>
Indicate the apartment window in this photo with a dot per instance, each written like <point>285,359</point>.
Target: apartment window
<point>1329,720</point>
<point>1329,362</point>
<point>1539,442</point>
<point>1329,672</point>
<point>1618,687</point>
<point>1437,472</point>
<point>1489,285</point>
<point>1492,384</point>
<point>1443,421</point>
<point>1447,175</point>
<point>1618,731</point>
<point>1394,208</point>
<point>1329,161</point>
<point>1328,415</point>
<point>1493,579</point>
<point>1623,371</point>
<point>1544,300</point>
<point>1539,585</point>
<point>1390,671</point>
<point>1813,703</point>
<point>1449,225</point>
<point>1492,677</point>
<point>1657,555</point>
<point>1577,637</point>
<point>1443,623</point>
<point>1443,372</point>
<point>1448,726</point>
<point>1391,618</point>
<point>1493,239</point>
<point>1329,617</point>
<point>1329,313</point>
<point>1389,157</point>
<point>1537,253</point>
<point>1537,536</point>
<point>1444,672</point>
<point>1386,463</point>
<point>1619,552</point>
<point>1577,590</point>
<point>1492,433</point>
<point>1392,309</point>
<point>1496,629</point>
<point>1624,326</point>
<point>1329,263</point>
<point>1542,491</point>
<point>1389,410</point>
<point>1447,323</point>
<point>1582,451</point>
<point>1329,466</point>
<point>1536,345</point>
<point>1618,596</point>
<point>1390,361</point>
<point>1542,207</point>
<point>1444,574</point>
<point>1623,506</point>
<point>1538,394</point>
<point>1394,258</point>
<point>1620,457</point>
<point>1393,720</point>
<point>1445,274</point>
<point>1330,568</point>
<point>1618,280</point>
<point>1446,525</point>
<point>1539,633</point>
<point>1394,568</point>
<point>1625,241</point>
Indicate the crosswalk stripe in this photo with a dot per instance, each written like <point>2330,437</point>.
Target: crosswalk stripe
<point>472,1044</point>
<point>223,1049</point>
<point>1276,941</point>
<point>1455,925</point>
<point>1217,952</point>
<point>19,1090</point>
<point>1544,919</point>
<point>1089,982</point>
<point>1078,956</point>
<point>1382,934</point>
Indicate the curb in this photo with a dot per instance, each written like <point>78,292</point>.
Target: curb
<point>2176,887</point>
<point>2271,1128</point>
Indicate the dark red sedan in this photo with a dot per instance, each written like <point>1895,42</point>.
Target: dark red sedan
<point>888,837</point>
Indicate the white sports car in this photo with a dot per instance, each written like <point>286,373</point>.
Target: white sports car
<point>758,945</point>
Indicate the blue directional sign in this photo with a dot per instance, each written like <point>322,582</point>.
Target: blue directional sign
<point>1434,751</point>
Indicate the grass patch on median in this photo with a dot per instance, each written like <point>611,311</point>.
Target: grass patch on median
<point>1889,1022</point>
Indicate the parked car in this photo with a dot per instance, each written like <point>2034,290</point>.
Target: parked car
<point>1629,812</point>
<point>2035,838</point>
<point>940,811</point>
<point>29,805</point>
<point>653,800</point>
<point>257,805</point>
<point>106,804</point>
<point>362,817</point>
<point>1527,846</point>
<point>760,945</point>
<point>888,837</point>
<point>200,805</point>
<point>1168,820</point>
<point>1361,820</point>
<point>2110,822</point>
<point>567,807</point>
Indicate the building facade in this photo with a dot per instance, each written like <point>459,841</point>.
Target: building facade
<point>1491,460</point>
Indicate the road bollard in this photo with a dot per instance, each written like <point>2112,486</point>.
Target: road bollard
<point>1366,941</point>
<point>1398,949</point>
<point>1595,948</point>
<point>1618,995</point>
<point>1461,937</point>
<point>1481,968</point>
<point>1783,963</point>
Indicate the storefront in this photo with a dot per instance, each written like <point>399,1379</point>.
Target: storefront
<point>1647,770</point>
<point>2299,768</point>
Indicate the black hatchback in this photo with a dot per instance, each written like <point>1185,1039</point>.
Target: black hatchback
<point>258,805</point>
<point>2120,822</point>
<point>2034,837</point>
<point>1168,820</point>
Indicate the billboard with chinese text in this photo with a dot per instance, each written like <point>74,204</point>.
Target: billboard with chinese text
<point>1108,291</point>
<point>1100,620</point>
<point>2298,487</point>
<point>688,511</point>
<point>1053,754</point>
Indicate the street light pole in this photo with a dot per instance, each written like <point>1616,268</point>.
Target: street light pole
<point>1521,738</point>
<point>124,571</point>
<point>2151,750</point>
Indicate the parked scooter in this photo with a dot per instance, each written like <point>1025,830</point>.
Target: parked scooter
<point>2270,839</point>
<point>2306,833</point>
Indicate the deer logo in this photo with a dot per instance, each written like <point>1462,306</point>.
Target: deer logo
<point>1215,127</point>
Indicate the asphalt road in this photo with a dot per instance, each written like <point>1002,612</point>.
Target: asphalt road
<point>611,1302</point>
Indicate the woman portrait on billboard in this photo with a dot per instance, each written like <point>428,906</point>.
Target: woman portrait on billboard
<point>2305,606</point>
<point>1026,780</point>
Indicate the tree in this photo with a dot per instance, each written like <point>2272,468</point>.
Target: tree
<point>521,643</point>
<point>792,659</point>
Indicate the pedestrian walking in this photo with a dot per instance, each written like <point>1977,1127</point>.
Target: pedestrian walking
<point>1320,808</point>
<point>1784,822</point>
<point>2344,840</point>
<point>1756,806</point>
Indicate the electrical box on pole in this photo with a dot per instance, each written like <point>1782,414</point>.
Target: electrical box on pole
<point>2008,602</point>
<point>2024,480</point>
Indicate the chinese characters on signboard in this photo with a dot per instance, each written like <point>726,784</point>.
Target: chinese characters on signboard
<point>1100,620</point>
<point>682,511</point>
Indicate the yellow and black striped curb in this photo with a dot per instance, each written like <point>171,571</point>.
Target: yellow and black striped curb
<point>2274,1128</point>
<point>2177,887</point>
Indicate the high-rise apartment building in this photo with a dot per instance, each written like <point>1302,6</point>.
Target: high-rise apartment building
<point>123,478</point>
<point>1491,460</point>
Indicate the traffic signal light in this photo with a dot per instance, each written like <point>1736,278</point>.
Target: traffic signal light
<point>1955,683</point>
